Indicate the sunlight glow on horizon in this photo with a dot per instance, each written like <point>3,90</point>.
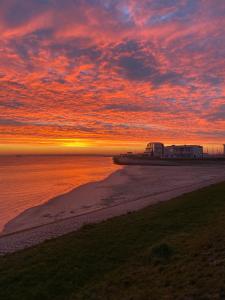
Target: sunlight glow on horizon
<point>110,76</point>
<point>104,148</point>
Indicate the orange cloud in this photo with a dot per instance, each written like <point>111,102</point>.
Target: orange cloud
<point>110,73</point>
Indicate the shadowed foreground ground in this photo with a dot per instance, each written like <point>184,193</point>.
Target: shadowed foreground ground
<point>173,250</point>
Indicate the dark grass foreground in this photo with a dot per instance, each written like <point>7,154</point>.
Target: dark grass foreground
<point>173,250</point>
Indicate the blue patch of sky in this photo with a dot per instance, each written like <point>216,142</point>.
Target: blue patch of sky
<point>180,13</point>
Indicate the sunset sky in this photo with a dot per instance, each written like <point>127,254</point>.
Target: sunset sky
<point>104,76</point>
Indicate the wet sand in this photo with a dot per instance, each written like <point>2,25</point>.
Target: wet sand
<point>122,186</point>
<point>128,189</point>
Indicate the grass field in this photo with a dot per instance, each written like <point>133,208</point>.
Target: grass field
<point>173,250</point>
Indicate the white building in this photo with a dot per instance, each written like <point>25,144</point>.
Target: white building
<point>183,151</point>
<point>158,150</point>
<point>154,150</point>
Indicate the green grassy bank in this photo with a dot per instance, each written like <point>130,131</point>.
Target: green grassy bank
<point>173,250</point>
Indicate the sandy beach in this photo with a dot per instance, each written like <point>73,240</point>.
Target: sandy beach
<point>128,189</point>
<point>123,186</point>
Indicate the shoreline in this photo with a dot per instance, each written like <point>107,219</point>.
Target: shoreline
<point>27,237</point>
<point>83,188</point>
<point>186,188</point>
<point>16,241</point>
<point>121,186</point>
<point>30,182</point>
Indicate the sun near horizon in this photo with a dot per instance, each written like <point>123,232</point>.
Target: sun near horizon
<point>71,147</point>
<point>110,76</point>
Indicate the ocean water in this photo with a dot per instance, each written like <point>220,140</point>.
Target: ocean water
<point>27,181</point>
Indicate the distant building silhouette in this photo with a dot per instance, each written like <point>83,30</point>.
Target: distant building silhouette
<point>158,150</point>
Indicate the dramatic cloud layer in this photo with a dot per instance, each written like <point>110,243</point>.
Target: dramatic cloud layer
<point>102,74</point>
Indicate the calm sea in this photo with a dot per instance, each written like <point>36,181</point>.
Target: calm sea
<point>27,181</point>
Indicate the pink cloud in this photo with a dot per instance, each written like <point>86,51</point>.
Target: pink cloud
<point>122,70</point>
